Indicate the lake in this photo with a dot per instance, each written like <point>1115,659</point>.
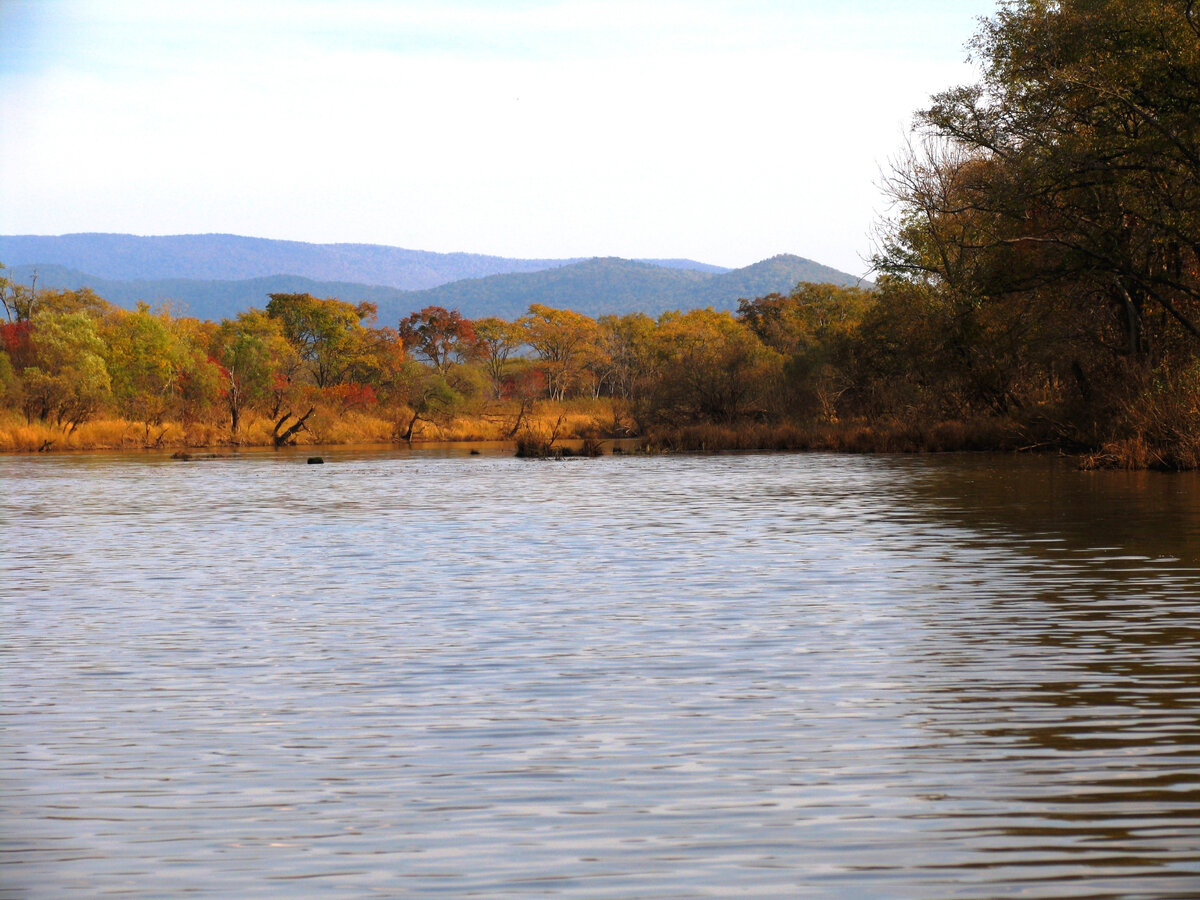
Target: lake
<point>422,674</point>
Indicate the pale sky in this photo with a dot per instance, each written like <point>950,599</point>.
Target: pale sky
<point>721,130</point>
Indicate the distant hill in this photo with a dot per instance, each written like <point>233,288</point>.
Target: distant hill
<point>125,269</point>
<point>596,287</point>
<point>215,299</point>
<point>229,257</point>
<point>604,286</point>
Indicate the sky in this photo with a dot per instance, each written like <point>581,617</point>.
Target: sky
<point>725,131</point>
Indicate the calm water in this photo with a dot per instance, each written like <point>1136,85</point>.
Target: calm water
<point>439,675</point>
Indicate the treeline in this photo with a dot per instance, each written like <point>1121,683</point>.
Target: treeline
<point>1045,254</point>
<point>1039,287</point>
<point>69,357</point>
<point>823,367</point>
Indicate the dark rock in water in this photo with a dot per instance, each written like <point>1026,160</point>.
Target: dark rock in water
<point>474,452</point>
<point>315,461</point>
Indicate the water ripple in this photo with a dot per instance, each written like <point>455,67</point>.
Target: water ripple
<point>417,674</point>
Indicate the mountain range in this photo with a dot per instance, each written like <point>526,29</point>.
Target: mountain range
<point>216,276</point>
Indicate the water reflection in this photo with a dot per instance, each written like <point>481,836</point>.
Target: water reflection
<point>422,674</point>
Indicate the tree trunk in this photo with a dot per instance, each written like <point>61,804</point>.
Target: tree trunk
<point>281,439</point>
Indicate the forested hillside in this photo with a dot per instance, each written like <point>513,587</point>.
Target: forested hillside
<point>592,287</point>
<point>600,287</point>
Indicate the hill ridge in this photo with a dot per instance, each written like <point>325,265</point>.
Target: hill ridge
<point>230,257</point>
<point>595,287</point>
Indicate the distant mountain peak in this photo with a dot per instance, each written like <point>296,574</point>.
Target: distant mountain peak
<point>218,275</point>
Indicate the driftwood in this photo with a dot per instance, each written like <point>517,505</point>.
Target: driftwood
<point>282,438</point>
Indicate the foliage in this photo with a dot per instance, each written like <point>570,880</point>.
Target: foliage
<point>563,341</point>
<point>327,334</point>
<point>250,351</point>
<point>439,335</point>
<point>709,368</point>
<point>67,381</point>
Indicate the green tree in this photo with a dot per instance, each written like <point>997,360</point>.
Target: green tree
<point>252,352</point>
<point>145,360</point>
<point>68,381</point>
<point>327,334</point>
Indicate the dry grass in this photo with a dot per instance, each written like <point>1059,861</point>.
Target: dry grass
<point>842,437</point>
<point>1158,434</point>
<point>1138,452</point>
<point>575,420</point>
<point>1158,428</point>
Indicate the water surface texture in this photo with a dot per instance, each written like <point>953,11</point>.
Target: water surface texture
<point>426,674</point>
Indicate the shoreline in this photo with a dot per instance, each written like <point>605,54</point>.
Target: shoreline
<point>582,437</point>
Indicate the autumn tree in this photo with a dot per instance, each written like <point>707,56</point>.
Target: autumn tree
<point>562,340</point>
<point>496,342</point>
<point>709,368</point>
<point>1071,168</point>
<point>812,328</point>
<point>440,336</point>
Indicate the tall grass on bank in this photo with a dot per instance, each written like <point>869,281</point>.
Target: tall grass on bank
<point>1159,428</point>
<point>571,421</point>
<point>842,437</point>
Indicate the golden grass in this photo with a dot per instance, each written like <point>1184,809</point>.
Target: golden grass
<point>550,423</point>
<point>573,420</point>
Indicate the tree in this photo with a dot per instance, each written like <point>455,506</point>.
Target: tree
<point>709,368</point>
<point>813,328</point>
<point>145,360</point>
<point>19,302</point>
<point>428,395</point>
<point>496,341</point>
<point>250,351</point>
<point>67,380</point>
<point>626,344</point>
<point>200,383</point>
<point>562,340</point>
<point>1072,166</point>
<point>441,336</point>
<point>327,334</point>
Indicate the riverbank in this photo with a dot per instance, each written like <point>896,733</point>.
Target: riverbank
<point>593,429</point>
<point>563,422</point>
